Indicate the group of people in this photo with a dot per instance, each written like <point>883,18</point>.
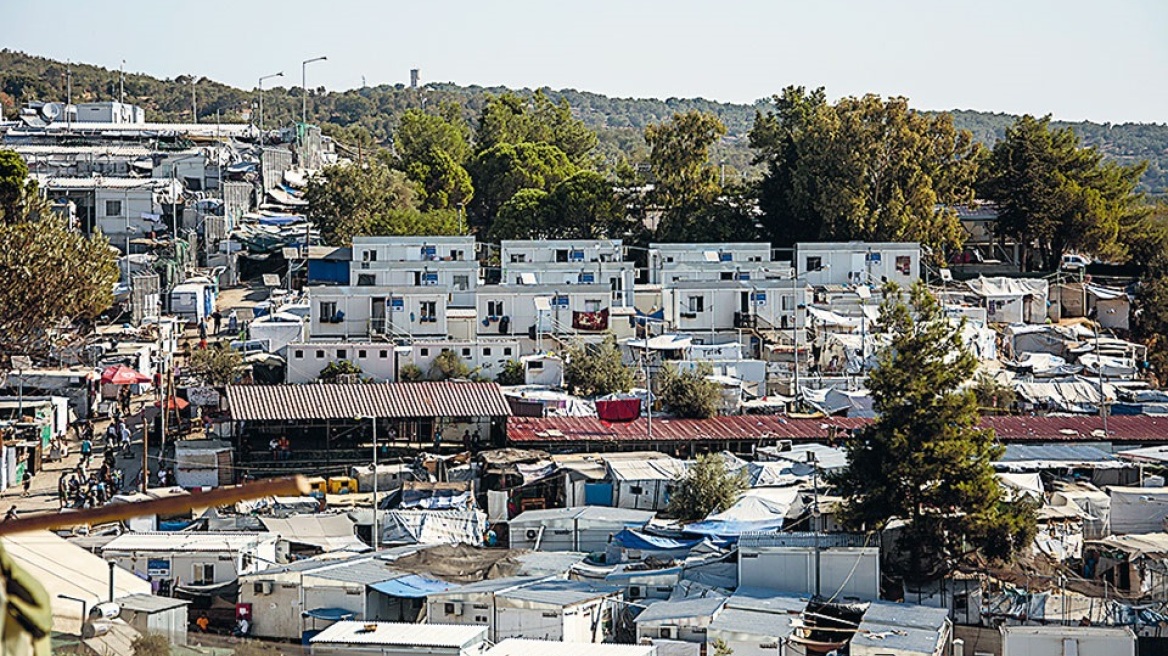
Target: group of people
<point>79,488</point>
<point>280,447</point>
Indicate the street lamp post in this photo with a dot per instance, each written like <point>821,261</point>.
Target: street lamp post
<point>795,324</point>
<point>304,86</point>
<point>262,78</point>
<point>376,537</point>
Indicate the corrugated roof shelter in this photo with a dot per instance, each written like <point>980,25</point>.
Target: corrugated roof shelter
<point>65,568</point>
<point>376,637</point>
<point>383,400</point>
<point>325,532</point>
<point>901,629</point>
<point>524,647</point>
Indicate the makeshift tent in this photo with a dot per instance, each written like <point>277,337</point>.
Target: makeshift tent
<point>1021,485</point>
<point>412,586</point>
<point>630,544</point>
<point>759,509</point>
<point>434,527</point>
<point>1138,509</point>
<point>1045,365</point>
<point>1012,300</point>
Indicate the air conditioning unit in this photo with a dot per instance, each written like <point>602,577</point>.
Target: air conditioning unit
<point>262,588</point>
<point>531,533</point>
<point>668,633</point>
<point>453,608</point>
<point>636,592</point>
<point>364,265</point>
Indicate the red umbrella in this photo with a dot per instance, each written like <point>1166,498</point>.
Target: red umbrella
<point>122,375</point>
<point>175,403</point>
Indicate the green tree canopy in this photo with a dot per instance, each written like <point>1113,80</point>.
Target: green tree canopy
<point>53,276</point>
<point>415,222</point>
<point>707,487</point>
<point>924,460</point>
<point>420,132</point>
<point>679,154</point>
<point>596,369</point>
<point>499,172</point>
<point>218,364</point>
<point>1052,192</point>
<point>689,394</point>
<point>523,216</point>
<point>512,374</point>
<point>345,199</point>
<point>862,169</point>
<point>443,182</point>
<point>511,119</point>
<point>19,199</point>
<point>334,371</point>
<point>447,365</point>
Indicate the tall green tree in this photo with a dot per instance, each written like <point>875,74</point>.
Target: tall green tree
<point>19,198</point>
<point>419,132</point>
<point>54,278</point>
<point>502,170</point>
<point>584,205</point>
<point>1053,193</point>
<point>679,154</point>
<point>707,487</point>
<point>345,199</point>
<point>862,169</point>
<point>442,181</point>
<point>924,459</point>
<point>513,119</point>
<point>523,216</point>
<point>596,369</point>
<point>690,394</point>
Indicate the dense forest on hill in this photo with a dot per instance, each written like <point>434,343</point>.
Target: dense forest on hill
<point>370,114</point>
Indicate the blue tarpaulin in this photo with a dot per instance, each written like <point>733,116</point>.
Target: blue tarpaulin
<point>725,528</point>
<point>283,219</point>
<point>414,586</point>
<point>631,539</point>
<point>331,614</point>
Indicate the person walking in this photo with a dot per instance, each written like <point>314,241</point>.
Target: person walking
<point>86,452</point>
<point>217,317</point>
<point>27,481</point>
<point>125,438</point>
<point>11,514</point>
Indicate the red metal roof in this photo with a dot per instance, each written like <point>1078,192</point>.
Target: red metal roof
<point>388,400</point>
<point>1140,428</point>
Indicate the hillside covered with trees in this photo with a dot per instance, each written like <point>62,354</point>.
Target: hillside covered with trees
<point>371,115</point>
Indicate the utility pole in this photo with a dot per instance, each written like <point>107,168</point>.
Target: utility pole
<point>814,462</point>
<point>194,108</point>
<point>122,83</point>
<point>376,530</point>
<point>69,97</point>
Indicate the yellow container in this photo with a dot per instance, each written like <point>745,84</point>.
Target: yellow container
<point>342,485</point>
<point>318,484</point>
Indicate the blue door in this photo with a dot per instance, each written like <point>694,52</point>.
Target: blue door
<point>598,494</point>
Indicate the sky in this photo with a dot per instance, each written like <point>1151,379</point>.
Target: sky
<point>1074,59</point>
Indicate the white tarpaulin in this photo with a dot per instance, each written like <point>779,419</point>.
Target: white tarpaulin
<point>1075,396</point>
<point>830,318</point>
<point>1112,367</point>
<point>1012,300</point>
<point>434,527</point>
<point>1138,509</point>
<point>1018,485</point>
<point>1046,365</point>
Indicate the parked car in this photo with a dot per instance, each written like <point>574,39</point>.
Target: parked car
<point>1074,262</point>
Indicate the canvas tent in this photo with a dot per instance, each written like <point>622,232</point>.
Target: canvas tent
<point>1012,300</point>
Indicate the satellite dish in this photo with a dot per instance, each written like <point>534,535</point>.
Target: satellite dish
<point>50,111</point>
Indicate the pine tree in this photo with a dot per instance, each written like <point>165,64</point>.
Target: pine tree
<point>925,460</point>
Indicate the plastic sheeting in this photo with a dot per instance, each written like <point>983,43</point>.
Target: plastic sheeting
<point>759,509</point>
<point>434,527</point>
<point>1138,509</point>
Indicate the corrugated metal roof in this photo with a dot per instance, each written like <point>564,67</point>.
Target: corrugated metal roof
<point>388,400</point>
<point>183,541</point>
<point>1070,453</point>
<point>900,629</point>
<point>561,430</point>
<point>586,513</point>
<point>695,607</point>
<point>806,539</point>
<point>362,572</point>
<point>560,592</point>
<point>401,633</point>
<point>758,623</point>
<point>488,586</point>
<point>148,603</point>
<point>657,469</point>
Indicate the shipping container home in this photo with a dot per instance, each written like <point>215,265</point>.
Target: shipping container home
<point>1067,641</point>
<point>584,528</point>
